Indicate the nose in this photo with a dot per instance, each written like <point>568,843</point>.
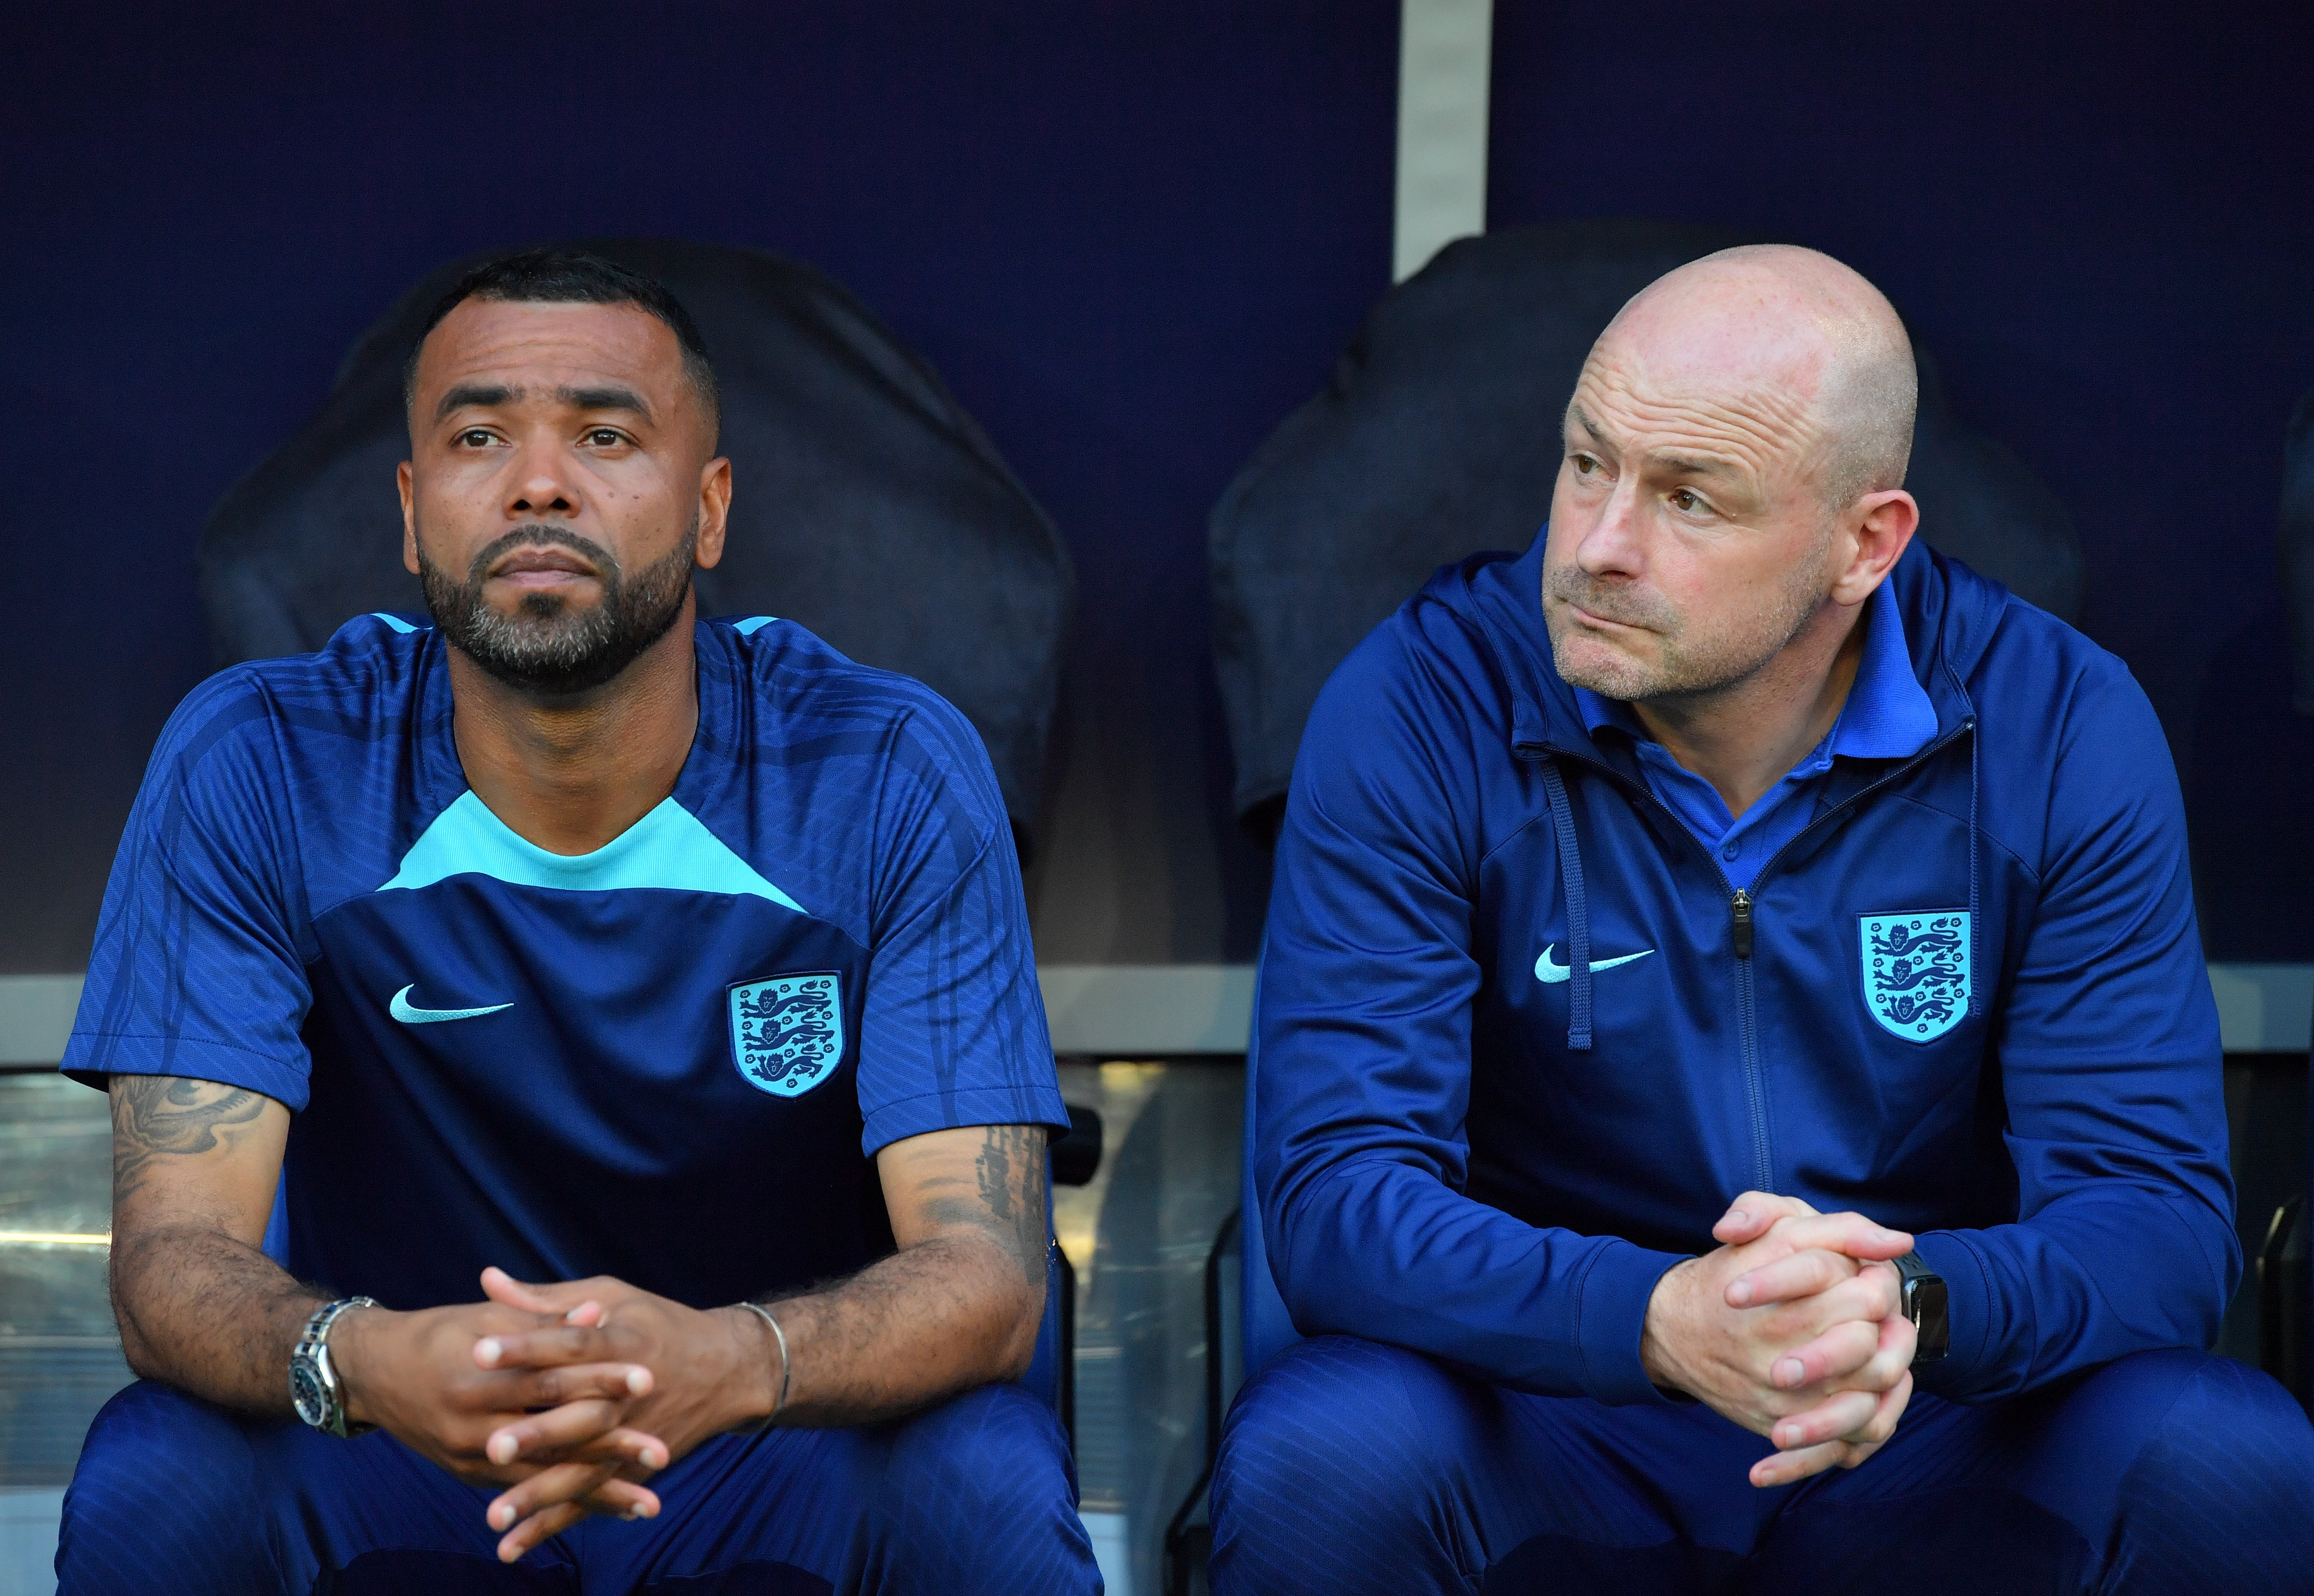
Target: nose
<point>541,484</point>
<point>1612,545</point>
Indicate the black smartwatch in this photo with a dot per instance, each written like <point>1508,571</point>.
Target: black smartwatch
<point>1924,1302</point>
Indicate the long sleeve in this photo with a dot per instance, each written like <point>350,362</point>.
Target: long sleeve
<point>2110,1067</point>
<point>1364,1075</point>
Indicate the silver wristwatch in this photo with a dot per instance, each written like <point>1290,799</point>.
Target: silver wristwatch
<point>314,1386</point>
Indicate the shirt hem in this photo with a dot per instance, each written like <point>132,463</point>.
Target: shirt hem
<point>953,1110</point>
<point>193,1058</point>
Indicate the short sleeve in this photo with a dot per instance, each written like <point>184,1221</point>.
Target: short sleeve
<point>953,1032</point>
<point>197,969</point>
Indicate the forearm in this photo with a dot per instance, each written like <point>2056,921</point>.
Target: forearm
<point>194,1167</point>
<point>209,1314</point>
<point>2089,1279</point>
<point>937,1318</point>
<point>958,1306</point>
<point>1386,1251</point>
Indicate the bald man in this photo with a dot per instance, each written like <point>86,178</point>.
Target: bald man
<point>1738,1101</point>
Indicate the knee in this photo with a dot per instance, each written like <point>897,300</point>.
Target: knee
<point>977,1495</point>
<point>996,1450</point>
<point>1332,1418</point>
<point>2218,1474</point>
<point>2233,1442</point>
<point>163,1496</point>
<point>1328,1461</point>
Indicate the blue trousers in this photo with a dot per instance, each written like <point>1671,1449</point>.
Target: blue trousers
<point>1348,1467</point>
<point>974,1495</point>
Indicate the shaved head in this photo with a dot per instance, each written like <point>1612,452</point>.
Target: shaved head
<point>1731,488</point>
<point>1803,322</point>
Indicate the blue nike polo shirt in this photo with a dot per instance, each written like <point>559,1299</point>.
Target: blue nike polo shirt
<point>671,1059</point>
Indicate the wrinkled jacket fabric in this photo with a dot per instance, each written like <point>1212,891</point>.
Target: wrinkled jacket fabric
<point>1452,1156</point>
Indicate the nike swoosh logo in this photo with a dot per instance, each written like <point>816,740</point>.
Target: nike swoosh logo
<point>402,1009</point>
<point>1551,974</point>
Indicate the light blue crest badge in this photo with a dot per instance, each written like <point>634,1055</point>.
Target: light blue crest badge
<point>787,1033</point>
<point>1916,971</point>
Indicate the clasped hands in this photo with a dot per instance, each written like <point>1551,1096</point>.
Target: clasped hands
<point>1790,1328</point>
<point>569,1395</point>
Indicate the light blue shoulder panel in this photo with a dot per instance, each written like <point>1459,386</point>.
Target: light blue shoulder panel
<point>667,849</point>
<point>395,622</point>
<point>752,624</point>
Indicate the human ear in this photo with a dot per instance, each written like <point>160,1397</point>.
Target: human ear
<point>408,518</point>
<point>1883,530</point>
<point>714,511</point>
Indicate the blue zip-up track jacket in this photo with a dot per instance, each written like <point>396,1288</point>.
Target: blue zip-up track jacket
<point>1465,1149</point>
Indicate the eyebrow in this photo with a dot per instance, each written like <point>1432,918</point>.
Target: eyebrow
<point>1682,463</point>
<point>609,398</point>
<point>489,395</point>
<point>481,395</point>
<point>1694,468</point>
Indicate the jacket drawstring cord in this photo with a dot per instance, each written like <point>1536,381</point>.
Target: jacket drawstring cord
<point>1578,911</point>
<point>1975,933</point>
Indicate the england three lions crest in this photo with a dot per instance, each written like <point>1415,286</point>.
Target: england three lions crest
<point>787,1033</point>
<point>1916,971</point>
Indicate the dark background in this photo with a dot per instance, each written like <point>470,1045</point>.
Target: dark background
<point>1133,236</point>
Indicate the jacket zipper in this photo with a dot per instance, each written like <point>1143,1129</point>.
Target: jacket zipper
<point>1755,1089</point>
<point>1742,929</point>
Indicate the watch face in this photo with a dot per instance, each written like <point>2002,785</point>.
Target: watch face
<point>1935,1320</point>
<point>306,1392</point>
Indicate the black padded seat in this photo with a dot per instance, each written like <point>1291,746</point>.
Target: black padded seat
<point>867,504</point>
<point>1437,437</point>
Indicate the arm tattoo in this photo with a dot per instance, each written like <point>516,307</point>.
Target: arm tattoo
<point>1011,1169</point>
<point>154,1115</point>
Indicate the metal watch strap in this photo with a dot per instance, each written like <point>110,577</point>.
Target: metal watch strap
<point>312,1350</point>
<point>1926,1303</point>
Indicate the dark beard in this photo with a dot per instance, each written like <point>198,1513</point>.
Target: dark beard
<point>547,647</point>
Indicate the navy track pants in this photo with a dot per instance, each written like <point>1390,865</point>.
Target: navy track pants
<point>973,1495</point>
<point>1348,1467</point>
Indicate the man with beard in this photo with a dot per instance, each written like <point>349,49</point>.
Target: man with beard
<point>538,980</point>
<point>1658,916</point>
